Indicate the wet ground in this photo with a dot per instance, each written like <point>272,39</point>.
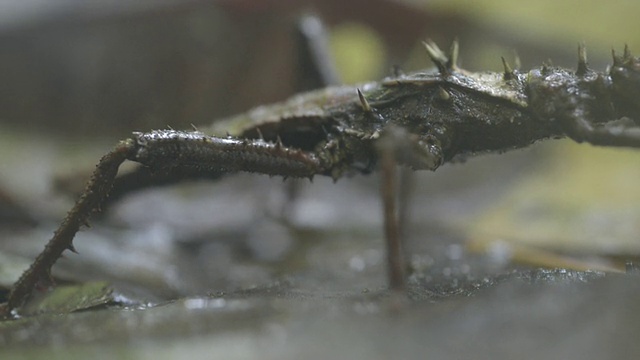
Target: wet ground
<point>217,271</point>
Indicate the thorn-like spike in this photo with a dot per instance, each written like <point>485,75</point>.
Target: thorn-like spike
<point>508,71</point>
<point>72,249</point>
<point>452,63</point>
<point>443,94</point>
<point>260,134</point>
<point>363,101</point>
<point>169,127</point>
<point>279,142</point>
<point>436,55</point>
<point>583,68</point>
<point>194,127</point>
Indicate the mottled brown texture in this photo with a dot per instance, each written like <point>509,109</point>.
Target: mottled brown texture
<point>419,120</point>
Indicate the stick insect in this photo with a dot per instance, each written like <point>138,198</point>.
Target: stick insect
<point>420,120</point>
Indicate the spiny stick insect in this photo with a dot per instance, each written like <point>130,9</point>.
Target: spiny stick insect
<point>420,120</point>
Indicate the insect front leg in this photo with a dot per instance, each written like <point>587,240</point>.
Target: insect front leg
<point>169,151</point>
<point>92,198</point>
<point>397,146</point>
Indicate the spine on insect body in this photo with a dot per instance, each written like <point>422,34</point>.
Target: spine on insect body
<point>470,112</point>
<point>462,112</point>
<point>600,108</point>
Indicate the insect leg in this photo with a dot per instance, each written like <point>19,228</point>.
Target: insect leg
<point>169,151</point>
<point>623,133</point>
<point>395,258</point>
<point>91,199</point>
<point>397,146</point>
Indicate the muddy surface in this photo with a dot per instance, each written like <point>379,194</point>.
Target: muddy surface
<point>234,269</point>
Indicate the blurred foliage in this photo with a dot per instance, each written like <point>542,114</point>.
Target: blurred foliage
<point>582,200</point>
<point>359,54</point>
<point>600,24</point>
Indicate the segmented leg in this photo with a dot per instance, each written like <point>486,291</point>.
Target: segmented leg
<point>621,133</point>
<point>395,257</point>
<point>91,199</point>
<point>166,151</point>
<point>396,146</point>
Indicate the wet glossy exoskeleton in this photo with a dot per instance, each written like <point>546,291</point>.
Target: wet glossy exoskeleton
<point>419,120</point>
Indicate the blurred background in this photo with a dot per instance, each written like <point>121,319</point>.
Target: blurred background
<point>77,76</point>
<point>105,68</point>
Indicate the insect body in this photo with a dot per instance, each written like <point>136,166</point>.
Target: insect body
<point>420,120</point>
<point>453,113</point>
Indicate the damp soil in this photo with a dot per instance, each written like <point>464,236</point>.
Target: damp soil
<point>234,270</point>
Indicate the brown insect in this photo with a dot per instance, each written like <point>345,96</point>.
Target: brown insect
<point>419,120</point>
